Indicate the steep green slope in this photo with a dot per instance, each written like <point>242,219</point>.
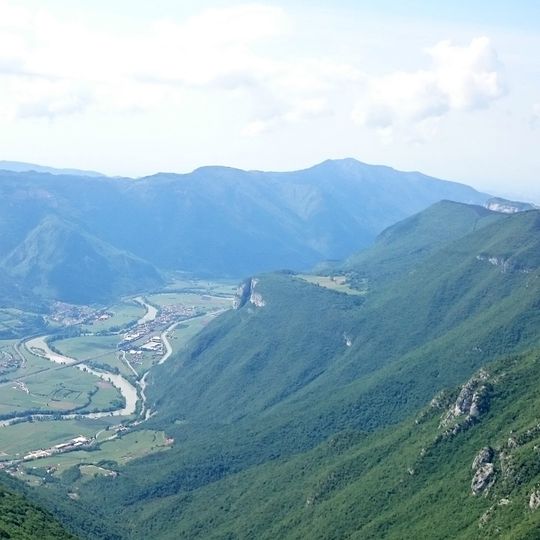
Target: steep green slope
<point>297,364</point>
<point>406,244</point>
<point>57,260</point>
<point>449,472</point>
<point>306,341</point>
<point>20,519</point>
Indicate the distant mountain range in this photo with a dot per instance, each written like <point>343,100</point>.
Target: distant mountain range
<point>215,221</point>
<point>20,166</point>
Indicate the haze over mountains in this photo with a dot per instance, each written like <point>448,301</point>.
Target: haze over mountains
<point>213,221</point>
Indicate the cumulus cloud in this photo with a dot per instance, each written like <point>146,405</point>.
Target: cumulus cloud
<point>459,79</point>
<point>78,66</point>
<point>213,48</point>
<point>53,66</point>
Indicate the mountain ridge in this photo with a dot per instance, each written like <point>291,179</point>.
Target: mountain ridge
<point>225,222</point>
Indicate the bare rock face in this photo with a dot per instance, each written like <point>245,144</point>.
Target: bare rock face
<point>242,294</point>
<point>504,206</point>
<point>483,478</point>
<point>246,293</point>
<point>255,297</point>
<point>484,456</point>
<point>484,471</point>
<point>471,402</point>
<point>534,500</point>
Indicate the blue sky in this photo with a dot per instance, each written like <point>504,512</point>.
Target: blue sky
<point>131,87</point>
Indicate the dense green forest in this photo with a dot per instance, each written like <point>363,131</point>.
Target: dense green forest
<point>21,519</point>
<point>309,412</point>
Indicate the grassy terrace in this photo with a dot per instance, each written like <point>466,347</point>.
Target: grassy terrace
<point>335,283</point>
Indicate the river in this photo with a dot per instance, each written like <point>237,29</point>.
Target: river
<point>151,311</point>
<point>40,347</point>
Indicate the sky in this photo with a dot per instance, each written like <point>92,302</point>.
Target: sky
<point>130,88</point>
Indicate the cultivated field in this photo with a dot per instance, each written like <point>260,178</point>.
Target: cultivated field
<point>203,301</point>
<point>31,383</point>
<point>55,389</point>
<point>123,314</point>
<point>17,440</point>
<point>121,449</point>
<point>95,350</point>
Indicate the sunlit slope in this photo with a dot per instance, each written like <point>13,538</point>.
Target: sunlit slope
<point>23,520</point>
<point>308,347</point>
<point>403,246</point>
<point>254,394</point>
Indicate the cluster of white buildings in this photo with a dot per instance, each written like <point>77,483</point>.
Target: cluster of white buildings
<point>72,444</point>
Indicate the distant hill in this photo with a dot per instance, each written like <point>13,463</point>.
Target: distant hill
<point>401,247</point>
<point>467,281</point>
<point>19,166</point>
<point>221,221</point>
<point>59,261</point>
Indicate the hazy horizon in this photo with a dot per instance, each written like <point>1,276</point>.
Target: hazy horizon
<point>129,89</point>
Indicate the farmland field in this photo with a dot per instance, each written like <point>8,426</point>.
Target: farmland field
<point>123,314</point>
<point>26,436</point>
<point>202,286</point>
<point>122,449</point>
<point>110,344</point>
<point>202,301</point>
<point>55,389</point>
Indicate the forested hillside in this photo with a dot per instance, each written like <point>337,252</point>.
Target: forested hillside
<point>22,520</point>
<point>306,401</point>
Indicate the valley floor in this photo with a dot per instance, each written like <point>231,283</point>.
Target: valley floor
<point>69,401</point>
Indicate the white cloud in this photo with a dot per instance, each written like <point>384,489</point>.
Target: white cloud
<point>210,50</point>
<point>213,48</point>
<point>535,115</point>
<point>460,79</point>
<point>307,109</point>
<point>52,66</point>
<point>75,67</point>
